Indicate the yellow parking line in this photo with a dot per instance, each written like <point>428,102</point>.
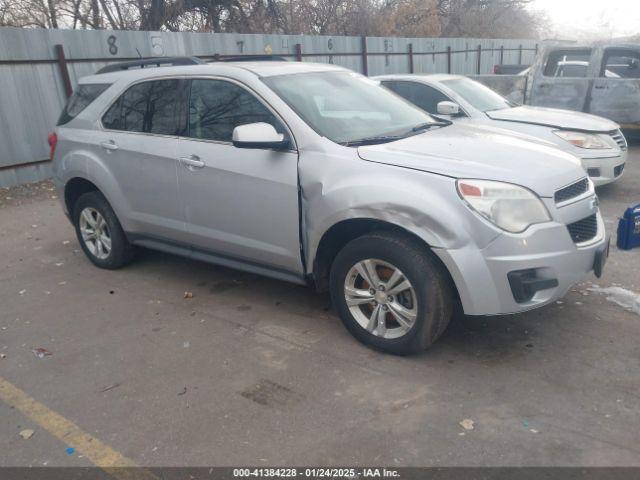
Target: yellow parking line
<point>97,452</point>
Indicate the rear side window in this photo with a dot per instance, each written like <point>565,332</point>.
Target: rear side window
<point>568,63</point>
<point>621,63</point>
<point>81,99</point>
<point>148,107</point>
<point>423,96</point>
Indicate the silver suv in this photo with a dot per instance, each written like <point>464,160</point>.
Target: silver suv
<point>314,174</point>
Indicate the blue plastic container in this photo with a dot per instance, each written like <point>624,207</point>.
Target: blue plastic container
<point>629,229</point>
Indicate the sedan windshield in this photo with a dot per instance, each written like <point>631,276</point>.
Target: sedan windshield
<point>349,108</point>
<point>479,96</point>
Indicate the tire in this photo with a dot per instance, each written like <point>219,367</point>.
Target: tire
<point>427,305</point>
<point>92,206</point>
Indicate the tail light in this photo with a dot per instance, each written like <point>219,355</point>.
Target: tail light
<point>496,69</point>
<point>53,141</point>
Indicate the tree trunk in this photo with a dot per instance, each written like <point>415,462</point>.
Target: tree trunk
<point>53,17</point>
<point>154,17</point>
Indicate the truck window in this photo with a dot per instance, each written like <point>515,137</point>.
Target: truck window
<point>568,63</point>
<point>621,63</point>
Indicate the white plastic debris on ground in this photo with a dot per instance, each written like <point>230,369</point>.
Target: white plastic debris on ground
<point>620,296</point>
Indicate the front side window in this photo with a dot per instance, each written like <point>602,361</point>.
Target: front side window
<point>148,107</point>
<point>568,63</point>
<point>478,95</point>
<point>216,107</point>
<point>621,63</point>
<point>424,96</point>
<point>81,99</point>
<point>347,107</point>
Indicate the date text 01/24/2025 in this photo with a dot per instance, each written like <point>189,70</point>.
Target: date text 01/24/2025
<point>315,472</point>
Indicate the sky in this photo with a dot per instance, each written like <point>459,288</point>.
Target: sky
<point>586,18</point>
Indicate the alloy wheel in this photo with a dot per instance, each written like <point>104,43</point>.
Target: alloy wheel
<point>95,233</point>
<point>381,298</point>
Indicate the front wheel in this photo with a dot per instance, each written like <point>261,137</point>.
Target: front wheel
<point>391,293</point>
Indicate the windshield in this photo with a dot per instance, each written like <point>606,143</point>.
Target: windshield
<point>479,96</point>
<point>347,107</point>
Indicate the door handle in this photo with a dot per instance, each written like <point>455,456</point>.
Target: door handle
<point>110,145</point>
<point>192,162</point>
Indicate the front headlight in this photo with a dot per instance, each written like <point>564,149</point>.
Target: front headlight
<point>510,207</point>
<point>581,139</point>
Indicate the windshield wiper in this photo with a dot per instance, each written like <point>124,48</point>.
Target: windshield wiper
<point>426,126</point>
<point>372,140</point>
<point>378,139</point>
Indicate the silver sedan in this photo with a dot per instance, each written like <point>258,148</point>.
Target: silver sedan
<point>597,141</point>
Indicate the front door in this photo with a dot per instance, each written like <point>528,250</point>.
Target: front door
<point>240,203</point>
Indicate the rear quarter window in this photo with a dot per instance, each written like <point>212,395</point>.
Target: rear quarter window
<point>81,99</point>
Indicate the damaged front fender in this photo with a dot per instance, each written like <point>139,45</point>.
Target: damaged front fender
<point>423,204</point>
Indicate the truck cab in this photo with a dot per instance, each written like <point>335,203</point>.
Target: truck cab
<point>602,79</point>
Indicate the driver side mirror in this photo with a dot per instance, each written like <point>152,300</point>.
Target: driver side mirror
<point>258,135</point>
<point>448,108</point>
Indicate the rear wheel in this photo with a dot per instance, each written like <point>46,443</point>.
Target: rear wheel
<point>391,293</point>
<point>100,233</point>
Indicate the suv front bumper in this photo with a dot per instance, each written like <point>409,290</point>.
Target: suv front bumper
<point>544,252</point>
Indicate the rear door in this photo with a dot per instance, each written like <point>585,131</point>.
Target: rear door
<point>616,92</point>
<point>563,80</point>
<point>138,145</point>
<point>239,203</point>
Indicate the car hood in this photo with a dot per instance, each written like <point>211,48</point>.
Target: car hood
<point>553,117</point>
<point>484,153</point>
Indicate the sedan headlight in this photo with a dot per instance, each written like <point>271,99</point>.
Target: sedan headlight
<point>510,207</point>
<point>581,139</point>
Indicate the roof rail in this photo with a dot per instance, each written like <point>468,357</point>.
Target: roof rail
<point>250,58</point>
<point>151,62</point>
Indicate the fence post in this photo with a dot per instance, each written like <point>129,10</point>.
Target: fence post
<point>501,54</point>
<point>410,58</point>
<point>520,55</point>
<point>298,52</point>
<point>479,58</point>
<point>64,71</point>
<point>449,59</point>
<point>365,63</point>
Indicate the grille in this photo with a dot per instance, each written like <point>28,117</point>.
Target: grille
<point>571,191</point>
<point>617,171</point>
<point>583,230</point>
<point>618,137</point>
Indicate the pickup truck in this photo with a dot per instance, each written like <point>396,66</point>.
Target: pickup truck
<point>601,78</point>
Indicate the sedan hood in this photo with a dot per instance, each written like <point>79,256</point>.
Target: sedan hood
<point>480,152</point>
<point>553,117</point>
